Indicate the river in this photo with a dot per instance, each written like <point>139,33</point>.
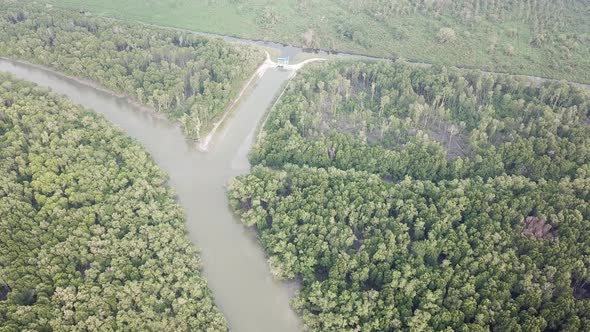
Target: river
<point>235,265</point>
<point>292,51</point>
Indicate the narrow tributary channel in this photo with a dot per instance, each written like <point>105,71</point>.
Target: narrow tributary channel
<point>234,263</point>
<point>293,51</point>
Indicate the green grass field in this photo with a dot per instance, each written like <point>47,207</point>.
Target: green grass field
<point>493,44</point>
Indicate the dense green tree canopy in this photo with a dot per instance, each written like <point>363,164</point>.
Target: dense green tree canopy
<point>432,124</point>
<point>506,254</point>
<point>426,199</point>
<point>91,237</point>
<point>189,78</point>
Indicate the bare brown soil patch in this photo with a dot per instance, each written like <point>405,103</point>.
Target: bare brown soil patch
<point>454,141</point>
<point>539,229</point>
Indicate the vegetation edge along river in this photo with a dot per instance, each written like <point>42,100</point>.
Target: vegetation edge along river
<point>421,199</point>
<point>291,50</point>
<point>91,234</point>
<point>191,79</point>
<point>543,38</point>
<point>234,265</point>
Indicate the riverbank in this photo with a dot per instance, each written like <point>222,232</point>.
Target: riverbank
<point>205,143</point>
<point>234,264</point>
<point>299,54</point>
<point>491,38</point>
<point>268,64</point>
<point>90,84</point>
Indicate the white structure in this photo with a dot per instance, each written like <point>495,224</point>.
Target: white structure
<point>283,62</point>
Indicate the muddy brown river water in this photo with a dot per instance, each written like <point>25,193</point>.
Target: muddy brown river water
<point>234,263</point>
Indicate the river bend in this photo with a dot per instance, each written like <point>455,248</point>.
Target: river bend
<point>235,265</point>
